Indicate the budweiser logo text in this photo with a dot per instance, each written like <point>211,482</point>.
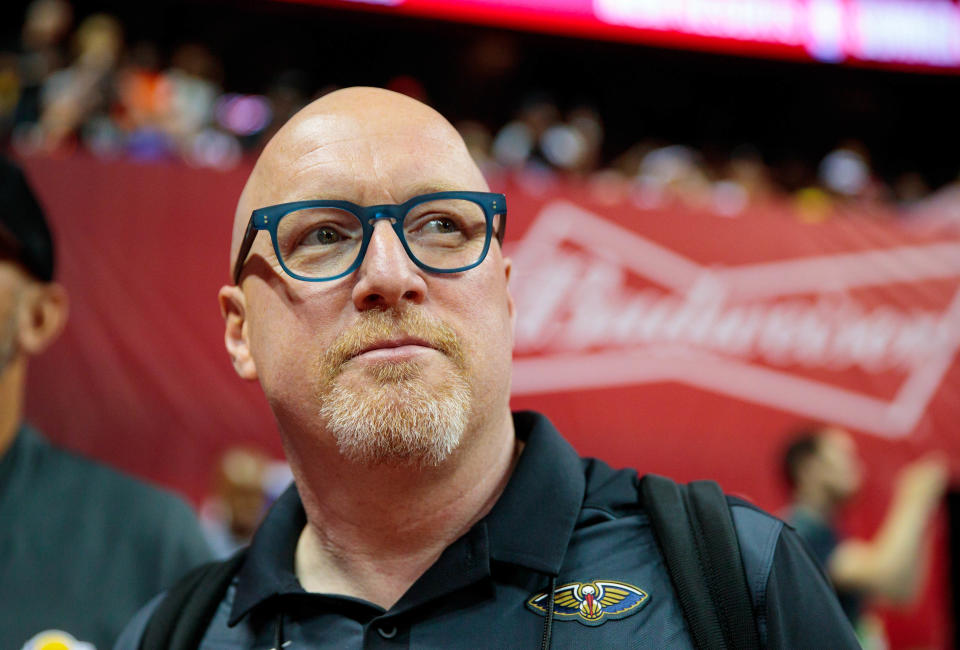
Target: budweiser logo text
<point>578,303</point>
<point>599,305</point>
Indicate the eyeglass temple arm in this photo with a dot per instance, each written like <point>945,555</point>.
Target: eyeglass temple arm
<point>245,246</point>
<point>503,227</point>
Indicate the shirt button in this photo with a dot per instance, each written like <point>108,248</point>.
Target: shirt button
<point>387,632</point>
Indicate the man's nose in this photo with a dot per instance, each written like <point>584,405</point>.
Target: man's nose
<point>387,276</point>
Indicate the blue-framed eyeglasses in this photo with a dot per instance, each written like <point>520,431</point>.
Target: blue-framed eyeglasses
<point>320,240</point>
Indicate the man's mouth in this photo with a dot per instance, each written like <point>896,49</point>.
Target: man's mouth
<point>393,344</point>
<point>380,339</point>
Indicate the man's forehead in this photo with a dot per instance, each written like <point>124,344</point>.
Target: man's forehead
<point>360,133</point>
<point>306,134</point>
<point>400,163</point>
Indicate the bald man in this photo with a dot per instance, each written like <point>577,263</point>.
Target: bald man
<point>370,300</point>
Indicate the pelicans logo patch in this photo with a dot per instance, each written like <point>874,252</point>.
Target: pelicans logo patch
<point>591,603</point>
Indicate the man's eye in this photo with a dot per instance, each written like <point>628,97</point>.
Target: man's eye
<point>323,236</point>
<point>440,225</point>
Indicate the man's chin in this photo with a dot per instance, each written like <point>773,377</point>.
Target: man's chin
<point>396,372</point>
<point>396,418</point>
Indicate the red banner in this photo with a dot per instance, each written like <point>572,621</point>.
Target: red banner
<point>666,338</point>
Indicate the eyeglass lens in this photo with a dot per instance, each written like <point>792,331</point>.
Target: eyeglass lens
<point>324,242</point>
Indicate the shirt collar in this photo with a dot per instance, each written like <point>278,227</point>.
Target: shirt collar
<point>530,525</point>
<point>268,569</point>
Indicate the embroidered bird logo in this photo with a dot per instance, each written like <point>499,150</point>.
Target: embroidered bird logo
<point>591,603</point>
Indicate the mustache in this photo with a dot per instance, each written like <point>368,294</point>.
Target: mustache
<point>375,326</point>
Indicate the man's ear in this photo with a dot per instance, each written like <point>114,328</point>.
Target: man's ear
<point>511,307</point>
<point>233,308</point>
<point>41,314</point>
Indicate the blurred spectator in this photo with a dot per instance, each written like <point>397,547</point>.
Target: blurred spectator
<point>847,173</point>
<point>41,53</point>
<point>673,174</point>
<point>144,98</point>
<point>747,170</point>
<point>246,482</point>
<point>84,547</point>
<point>479,141</point>
<point>194,77</point>
<point>519,144</point>
<point>574,146</point>
<point>823,471</point>
<point>85,89</point>
<point>844,171</point>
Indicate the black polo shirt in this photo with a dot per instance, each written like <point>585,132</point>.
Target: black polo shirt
<point>560,515</point>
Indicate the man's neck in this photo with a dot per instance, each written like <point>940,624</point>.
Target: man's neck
<point>373,531</point>
<point>11,401</point>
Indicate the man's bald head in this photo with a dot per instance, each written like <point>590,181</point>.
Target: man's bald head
<point>358,116</point>
<point>372,147</point>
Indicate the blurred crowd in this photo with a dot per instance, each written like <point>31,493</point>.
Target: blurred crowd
<point>544,141</point>
<point>65,86</point>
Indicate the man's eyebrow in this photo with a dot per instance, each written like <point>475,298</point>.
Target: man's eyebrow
<point>434,187</point>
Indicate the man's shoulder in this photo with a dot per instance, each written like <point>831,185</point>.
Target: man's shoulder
<point>81,485</point>
<point>750,519</point>
<point>758,534</point>
<point>615,494</point>
<point>617,491</point>
<point>133,540</point>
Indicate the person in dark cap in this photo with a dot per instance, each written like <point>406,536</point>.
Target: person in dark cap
<point>81,546</point>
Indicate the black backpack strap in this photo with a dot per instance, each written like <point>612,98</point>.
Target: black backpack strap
<point>181,619</point>
<point>695,532</point>
<point>727,577</point>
